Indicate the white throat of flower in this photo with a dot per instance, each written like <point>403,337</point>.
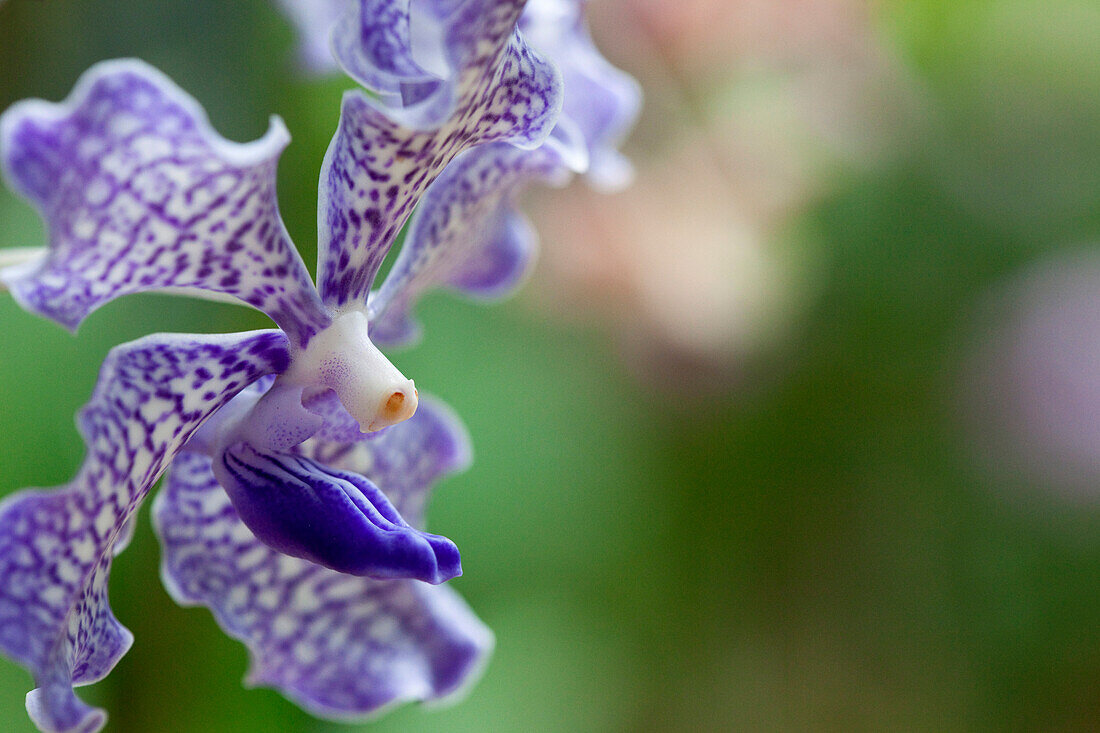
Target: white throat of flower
<point>343,359</point>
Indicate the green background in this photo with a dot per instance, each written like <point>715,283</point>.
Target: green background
<point>817,552</point>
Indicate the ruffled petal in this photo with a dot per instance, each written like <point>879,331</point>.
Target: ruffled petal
<point>334,518</point>
<point>338,645</point>
<point>382,159</point>
<point>426,58</point>
<point>466,234</point>
<point>56,546</point>
<point>601,100</point>
<point>138,192</point>
<point>374,44</point>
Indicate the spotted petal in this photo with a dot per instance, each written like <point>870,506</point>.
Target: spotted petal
<point>466,234</point>
<point>340,646</point>
<point>427,57</point>
<point>56,546</point>
<point>379,163</point>
<point>139,192</point>
<point>375,45</point>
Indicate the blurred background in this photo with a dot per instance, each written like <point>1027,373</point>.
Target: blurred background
<point>801,432</point>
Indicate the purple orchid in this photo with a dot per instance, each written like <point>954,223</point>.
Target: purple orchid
<point>467,235</point>
<point>299,461</point>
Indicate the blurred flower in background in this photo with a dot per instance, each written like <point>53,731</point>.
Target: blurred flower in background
<point>998,71</point>
<point>754,109</point>
<point>1029,394</point>
<point>1031,391</point>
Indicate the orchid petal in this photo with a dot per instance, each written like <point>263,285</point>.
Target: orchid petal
<point>338,645</point>
<point>334,518</point>
<point>427,58</point>
<point>375,45</point>
<point>601,100</point>
<point>57,545</point>
<point>380,162</point>
<point>466,234</point>
<point>139,192</point>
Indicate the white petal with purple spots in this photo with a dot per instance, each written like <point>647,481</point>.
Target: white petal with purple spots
<point>139,192</point>
<point>465,235</point>
<point>57,545</point>
<point>381,160</point>
<point>375,41</point>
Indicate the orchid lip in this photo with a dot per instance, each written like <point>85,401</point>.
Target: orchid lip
<point>334,518</point>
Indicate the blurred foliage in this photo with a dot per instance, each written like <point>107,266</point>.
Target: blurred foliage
<point>818,554</point>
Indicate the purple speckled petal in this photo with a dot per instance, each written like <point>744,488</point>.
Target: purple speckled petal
<point>338,645</point>
<point>139,192</point>
<point>56,546</point>
<point>379,163</point>
<point>466,234</point>
<point>601,100</point>
<point>375,45</point>
<point>427,58</point>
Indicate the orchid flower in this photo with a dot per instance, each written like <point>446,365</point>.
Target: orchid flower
<point>299,460</point>
<point>467,235</point>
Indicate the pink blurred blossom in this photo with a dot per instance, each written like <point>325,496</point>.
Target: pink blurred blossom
<point>752,108</point>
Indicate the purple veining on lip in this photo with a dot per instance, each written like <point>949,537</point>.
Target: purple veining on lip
<point>334,518</point>
<point>465,235</point>
<point>404,460</point>
<point>57,545</point>
<point>340,646</point>
<point>139,192</point>
<point>382,159</point>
